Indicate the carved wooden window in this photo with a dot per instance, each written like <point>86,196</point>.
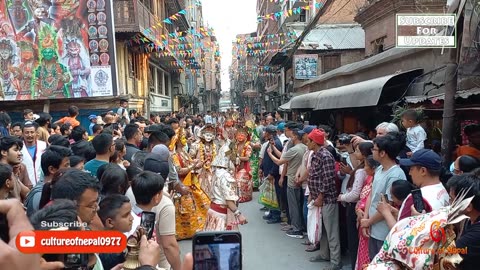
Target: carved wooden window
<point>330,62</point>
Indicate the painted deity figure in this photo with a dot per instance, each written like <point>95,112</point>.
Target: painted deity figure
<point>24,72</point>
<point>18,14</point>
<point>243,173</point>
<point>7,62</point>
<point>51,79</point>
<point>41,18</point>
<point>79,69</point>
<point>207,150</point>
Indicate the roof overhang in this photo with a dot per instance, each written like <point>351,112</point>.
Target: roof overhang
<point>368,93</point>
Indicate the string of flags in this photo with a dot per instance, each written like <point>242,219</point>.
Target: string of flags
<point>267,36</point>
<point>288,13</point>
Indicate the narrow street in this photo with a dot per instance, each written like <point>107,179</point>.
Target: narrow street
<point>267,246</point>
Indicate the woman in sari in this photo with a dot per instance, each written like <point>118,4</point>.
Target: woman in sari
<point>362,253</point>
<point>190,210</point>
<point>242,166</point>
<point>223,214</point>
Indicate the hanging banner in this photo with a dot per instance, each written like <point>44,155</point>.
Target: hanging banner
<point>56,49</point>
<point>305,66</point>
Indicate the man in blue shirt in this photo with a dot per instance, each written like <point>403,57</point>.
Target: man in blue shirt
<point>270,170</point>
<point>105,148</point>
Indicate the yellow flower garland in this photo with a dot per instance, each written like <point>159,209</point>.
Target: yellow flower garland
<point>202,155</point>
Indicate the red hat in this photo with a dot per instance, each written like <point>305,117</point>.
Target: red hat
<point>317,136</point>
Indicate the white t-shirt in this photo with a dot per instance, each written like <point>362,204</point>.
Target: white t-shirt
<point>436,195</point>
<point>415,138</point>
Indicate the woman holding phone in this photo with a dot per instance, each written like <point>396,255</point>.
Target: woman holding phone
<point>352,196</point>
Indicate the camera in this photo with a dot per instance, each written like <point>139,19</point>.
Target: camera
<point>346,139</point>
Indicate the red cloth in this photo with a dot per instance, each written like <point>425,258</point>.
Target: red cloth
<point>407,211</point>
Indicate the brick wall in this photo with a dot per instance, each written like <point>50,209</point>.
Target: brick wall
<point>341,11</point>
<point>384,27</point>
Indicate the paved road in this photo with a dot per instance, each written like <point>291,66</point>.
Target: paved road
<point>267,246</point>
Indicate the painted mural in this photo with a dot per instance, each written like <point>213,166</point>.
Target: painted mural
<point>54,49</point>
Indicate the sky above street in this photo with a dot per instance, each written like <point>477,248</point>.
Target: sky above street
<point>229,18</point>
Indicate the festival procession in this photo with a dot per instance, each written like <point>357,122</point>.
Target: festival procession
<point>229,135</point>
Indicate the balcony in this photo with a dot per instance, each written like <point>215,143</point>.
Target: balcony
<point>133,17</point>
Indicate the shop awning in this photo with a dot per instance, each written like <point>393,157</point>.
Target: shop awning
<point>286,106</point>
<point>372,92</point>
<point>434,98</point>
<point>305,101</point>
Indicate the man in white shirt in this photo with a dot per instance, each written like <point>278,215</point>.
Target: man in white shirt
<point>425,166</point>
<point>123,112</point>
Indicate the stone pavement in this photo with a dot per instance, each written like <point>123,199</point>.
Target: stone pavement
<point>267,247</point>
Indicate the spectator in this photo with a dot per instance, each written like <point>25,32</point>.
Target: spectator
<point>82,188</point>
<point>93,121</point>
<point>465,164</point>
<point>105,148</point>
<point>71,118</point>
<point>473,148</point>
<point>43,126</point>
<point>16,130</point>
<point>97,129</point>
<point>425,167</point>
<point>134,138</point>
<point>7,181</point>
<point>123,113</point>
<point>5,122</point>
<point>77,162</point>
<point>323,193</point>
<point>27,115</point>
<point>416,135</point>
<point>10,149</point>
<point>385,151</point>
<point>116,214</point>
<point>32,152</point>
<point>81,146</point>
<point>114,180</point>
<point>470,236</point>
<point>60,140</point>
<point>66,130</point>
<point>56,129</point>
<point>400,190</point>
<point>53,159</point>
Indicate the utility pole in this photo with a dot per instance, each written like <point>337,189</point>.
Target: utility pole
<point>448,126</point>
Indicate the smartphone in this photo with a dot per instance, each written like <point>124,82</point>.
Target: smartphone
<point>418,200</point>
<point>385,197</point>
<point>4,228</point>
<point>210,250</point>
<point>343,160</point>
<point>74,261</point>
<point>148,223</point>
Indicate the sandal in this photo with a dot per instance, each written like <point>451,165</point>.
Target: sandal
<point>312,248</point>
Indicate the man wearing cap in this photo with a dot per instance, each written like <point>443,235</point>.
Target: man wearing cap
<point>93,121</point>
<point>293,158</point>
<point>302,173</point>
<point>323,193</point>
<point>425,167</point>
<point>270,169</point>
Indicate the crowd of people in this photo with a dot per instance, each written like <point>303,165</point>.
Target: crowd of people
<point>194,171</point>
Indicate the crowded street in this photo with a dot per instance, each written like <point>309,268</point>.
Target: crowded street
<point>239,134</point>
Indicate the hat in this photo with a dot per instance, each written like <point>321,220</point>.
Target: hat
<point>281,126</point>
<point>271,129</point>
<point>424,158</point>
<point>222,160</point>
<point>35,117</point>
<point>301,132</point>
<point>317,136</point>
<point>161,150</point>
<point>91,117</point>
<point>152,128</point>
<point>157,164</point>
<point>308,129</point>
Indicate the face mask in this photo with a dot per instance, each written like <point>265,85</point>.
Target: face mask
<point>208,137</point>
